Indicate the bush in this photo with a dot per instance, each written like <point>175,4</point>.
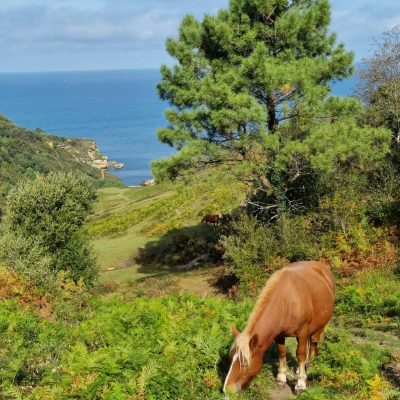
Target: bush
<point>371,294</point>
<point>343,370</point>
<point>255,249</point>
<point>25,257</point>
<point>44,228</point>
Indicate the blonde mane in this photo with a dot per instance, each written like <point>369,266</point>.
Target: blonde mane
<point>242,342</point>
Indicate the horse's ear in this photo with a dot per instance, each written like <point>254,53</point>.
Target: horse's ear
<point>235,331</point>
<point>253,341</point>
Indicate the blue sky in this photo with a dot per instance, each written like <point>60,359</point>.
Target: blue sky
<point>50,35</point>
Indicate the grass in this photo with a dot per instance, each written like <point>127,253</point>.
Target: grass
<point>118,252</point>
<point>154,211</point>
<point>133,229</point>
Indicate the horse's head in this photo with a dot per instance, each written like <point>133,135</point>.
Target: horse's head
<point>247,359</point>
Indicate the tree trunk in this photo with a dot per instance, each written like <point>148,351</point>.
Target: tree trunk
<point>272,121</point>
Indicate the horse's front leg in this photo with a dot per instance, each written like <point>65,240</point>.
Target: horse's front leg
<point>301,355</point>
<point>280,344</point>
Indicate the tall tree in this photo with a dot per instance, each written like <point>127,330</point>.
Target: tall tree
<point>243,74</point>
<point>379,84</point>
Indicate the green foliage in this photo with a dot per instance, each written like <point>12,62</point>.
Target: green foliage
<point>24,153</point>
<point>26,257</point>
<point>109,356</point>
<point>242,73</point>
<point>351,149</point>
<point>254,249</point>
<point>214,190</point>
<point>46,217</point>
<point>169,347</point>
<point>347,371</point>
<point>194,155</point>
<point>372,295</point>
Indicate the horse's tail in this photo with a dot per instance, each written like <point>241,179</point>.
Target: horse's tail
<point>308,352</point>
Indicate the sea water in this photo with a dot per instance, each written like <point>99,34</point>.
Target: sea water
<point>120,110</point>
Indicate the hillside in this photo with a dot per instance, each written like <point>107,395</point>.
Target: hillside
<point>24,152</point>
<point>142,336</point>
<point>157,230</point>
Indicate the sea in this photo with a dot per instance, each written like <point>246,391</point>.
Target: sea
<point>120,110</point>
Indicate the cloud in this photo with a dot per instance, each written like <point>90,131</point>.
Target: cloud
<point>358,23</point>
<point>32,29</point>
<point>127,23</point>
<point>74,34</point>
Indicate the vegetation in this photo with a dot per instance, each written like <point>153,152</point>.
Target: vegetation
<point>212,191</point>
<point>244,73</point>
<point>298,173</point>
<point>106,352</point>
<point>24,153</point>
<point>379,86</point>
<point>251,87</point>
<point>44,228</point>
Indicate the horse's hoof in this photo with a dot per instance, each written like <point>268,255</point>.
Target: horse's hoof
<point>281,379</point>
<point>300,386</point>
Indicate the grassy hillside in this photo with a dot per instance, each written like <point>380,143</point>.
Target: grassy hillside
<point>142,336</point>
<point>153,230</point>
<point>24,152</point>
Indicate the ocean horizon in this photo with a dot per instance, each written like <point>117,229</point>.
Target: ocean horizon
<point>119,109</point>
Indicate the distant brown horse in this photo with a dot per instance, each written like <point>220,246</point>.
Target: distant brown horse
<point>297,301</point>
<point>214,219</point>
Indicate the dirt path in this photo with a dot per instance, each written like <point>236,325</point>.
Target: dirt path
<point>280,393</point>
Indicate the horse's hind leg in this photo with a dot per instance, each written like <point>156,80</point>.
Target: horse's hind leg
<point>301,355</point>
<point>280,344</point>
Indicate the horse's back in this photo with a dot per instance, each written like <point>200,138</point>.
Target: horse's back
<point>309,291</point>
<point>314,272</point>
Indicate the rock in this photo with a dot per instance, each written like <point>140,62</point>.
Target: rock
<point>149,182</point>
<point>115,165</point>
<point>91,157</point>
<point>101,164</point>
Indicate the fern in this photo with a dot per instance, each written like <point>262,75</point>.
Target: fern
<point>147,372</point>
<point>12,393</point>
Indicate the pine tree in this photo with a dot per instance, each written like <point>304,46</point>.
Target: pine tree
<point>242,75</point>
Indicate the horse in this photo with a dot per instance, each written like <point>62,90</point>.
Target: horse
<point>297,301</point>
<point>214,219</point>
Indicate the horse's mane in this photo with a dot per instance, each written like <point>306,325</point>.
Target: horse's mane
<point>242,341</point>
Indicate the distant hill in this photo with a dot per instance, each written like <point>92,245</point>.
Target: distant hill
<point>23,153</point>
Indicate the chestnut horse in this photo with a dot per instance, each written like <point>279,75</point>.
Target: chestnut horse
<point>297,301</point>
<point>214,219</point>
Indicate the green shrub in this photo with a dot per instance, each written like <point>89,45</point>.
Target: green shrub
<point>26,257</point>
<point>345,370</point>
<point>47,218</point>
<point>371,294</point>
<point>255,249</point>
